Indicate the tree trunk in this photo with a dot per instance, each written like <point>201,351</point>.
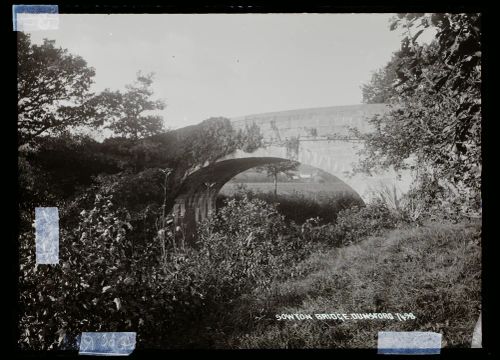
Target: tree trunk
<point>275,187</point>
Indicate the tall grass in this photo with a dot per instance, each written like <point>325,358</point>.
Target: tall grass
<point>432,271</point>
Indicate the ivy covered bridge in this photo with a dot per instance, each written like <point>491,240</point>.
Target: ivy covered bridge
<point>318,137</point>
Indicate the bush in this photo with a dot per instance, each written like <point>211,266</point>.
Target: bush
<point>351,226</point>
<point>107,280</point>
<point>355,223</point>
<point>313,231</point>
<point>254,238</point>
<point>114,275</point>
<point>433,199</point>
<point>98,269</point>
<point>299,207</point>
<point>244,247</point>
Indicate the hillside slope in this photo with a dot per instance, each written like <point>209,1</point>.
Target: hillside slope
<point>431,271</point>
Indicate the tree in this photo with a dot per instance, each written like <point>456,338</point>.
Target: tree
<point>129,112</point>
<point>380,88</point>
<point>54,96</point>
<point>434,122</point>
<point>53,89</point>
<point>273,170</point>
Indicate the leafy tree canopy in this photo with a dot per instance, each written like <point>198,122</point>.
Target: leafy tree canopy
<point>53,89</point>
<point>380,88</point>
<point>131,113</point>
<point>54,97</point>
<point>434,122</point>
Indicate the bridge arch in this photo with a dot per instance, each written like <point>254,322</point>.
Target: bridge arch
<point>319,137</point>
<point>197,195</point>
<point>322,137</point>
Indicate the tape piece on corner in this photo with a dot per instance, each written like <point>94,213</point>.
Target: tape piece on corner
<point>107,343</point>
<point>35,17</point>
<point>47,235</point>
<point>477,338</point>
<point>409,343</point>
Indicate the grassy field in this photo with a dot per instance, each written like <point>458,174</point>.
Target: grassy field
<point>432,271</point>
<point>315,191</point>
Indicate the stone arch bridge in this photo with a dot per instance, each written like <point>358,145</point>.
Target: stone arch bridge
<point>318,137</point>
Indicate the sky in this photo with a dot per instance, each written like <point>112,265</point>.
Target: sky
<point>209,65</point>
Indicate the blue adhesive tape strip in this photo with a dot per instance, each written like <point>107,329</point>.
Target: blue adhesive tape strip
<point>47,235</point>
<point>35,10</point>
<point>409,343</point>
<point>107,343</point>
<point>407,351</point>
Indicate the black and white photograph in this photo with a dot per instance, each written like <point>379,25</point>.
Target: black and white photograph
<point>248,181</point>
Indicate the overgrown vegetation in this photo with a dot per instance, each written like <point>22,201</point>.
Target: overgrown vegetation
<point>125,267</point>
<point>298,207</point>
<point>434,123</point>
<point>433,272</point>
<point>112,276</point>
<point>112,273</point>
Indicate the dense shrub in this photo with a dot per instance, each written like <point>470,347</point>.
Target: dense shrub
<point>355,223</point>
<point>314,232</point>
<point>347,219</point>
<point>352,225</point>
<point>299,207</point>
<point>98,268</point>
<point>108,281</point>
<point>116,273</point>
<point>255,236</point>
<point>440,200</point>
<point>70,162</point>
